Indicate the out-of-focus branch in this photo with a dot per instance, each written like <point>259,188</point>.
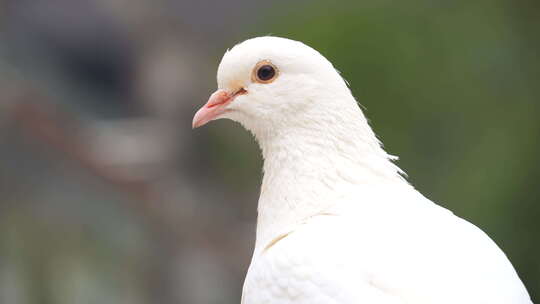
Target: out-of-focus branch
<point>62,133</point>
<point>42,124</point>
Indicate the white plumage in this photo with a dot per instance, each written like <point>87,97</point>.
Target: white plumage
<point>337,223</point>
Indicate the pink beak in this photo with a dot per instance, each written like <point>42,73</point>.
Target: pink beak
<point>215,106</point>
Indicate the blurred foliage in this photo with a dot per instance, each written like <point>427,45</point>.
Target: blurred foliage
<point>450,87</point>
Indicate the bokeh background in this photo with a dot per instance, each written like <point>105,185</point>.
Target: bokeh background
<point>108,196</point>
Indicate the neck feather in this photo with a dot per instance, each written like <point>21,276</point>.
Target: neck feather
<point>309,164</point>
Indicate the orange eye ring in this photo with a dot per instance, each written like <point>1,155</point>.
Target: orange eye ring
<point>264,72</point>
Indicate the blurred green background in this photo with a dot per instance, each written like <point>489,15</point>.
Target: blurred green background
<point>108,196</point>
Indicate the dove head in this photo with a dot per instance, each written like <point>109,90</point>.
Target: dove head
<point>296,104</point>
<point>271,84</point>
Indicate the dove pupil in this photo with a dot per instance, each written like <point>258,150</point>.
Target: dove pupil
<point>266,72</point>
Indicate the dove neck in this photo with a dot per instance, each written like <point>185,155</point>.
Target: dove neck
<point>309,167</point>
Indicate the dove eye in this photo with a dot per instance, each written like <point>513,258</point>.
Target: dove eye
<point>264,72</point>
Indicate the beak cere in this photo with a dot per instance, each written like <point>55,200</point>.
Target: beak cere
<point>215,106</point>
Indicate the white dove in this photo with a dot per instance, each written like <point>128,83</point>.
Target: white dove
<point>337,222</point>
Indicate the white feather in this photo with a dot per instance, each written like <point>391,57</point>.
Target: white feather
<point>337,222</point>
